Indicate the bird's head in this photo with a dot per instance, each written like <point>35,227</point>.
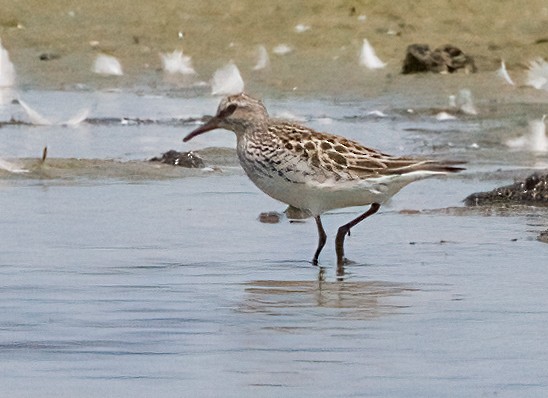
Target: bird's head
<point>239,113</point>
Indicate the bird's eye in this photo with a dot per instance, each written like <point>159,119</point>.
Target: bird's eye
<point>229,110</point>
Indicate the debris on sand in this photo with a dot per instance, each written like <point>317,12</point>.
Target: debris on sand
<point>532,191</point>
<point>182,159</point>
<point>445,59</point>
<point>543,236</point>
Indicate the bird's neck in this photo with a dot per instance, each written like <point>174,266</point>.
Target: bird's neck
<point>252,130</point>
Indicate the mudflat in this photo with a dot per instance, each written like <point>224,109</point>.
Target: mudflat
<point>323,38</point>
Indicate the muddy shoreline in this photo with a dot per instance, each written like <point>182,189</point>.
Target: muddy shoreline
<point>323,58</point>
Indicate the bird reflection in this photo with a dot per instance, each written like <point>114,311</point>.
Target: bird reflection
<point>358,299</point>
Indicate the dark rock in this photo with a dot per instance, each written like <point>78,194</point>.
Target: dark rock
<point>418,58</point>
<point>49,56</point>
<point>532,191</point>
<point>182,159</point>
<point>445,59</point>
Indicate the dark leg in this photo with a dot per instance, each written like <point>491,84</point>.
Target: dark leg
<point>345,229</point>
<point>322,238</point>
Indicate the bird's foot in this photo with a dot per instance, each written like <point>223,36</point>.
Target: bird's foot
<point>345,261</point>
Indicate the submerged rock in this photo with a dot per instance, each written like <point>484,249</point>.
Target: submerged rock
<point>294,213</point>
<point>445,59</point>
<point>182,159</point>
<point>270,217</point>
<point>532,191</point>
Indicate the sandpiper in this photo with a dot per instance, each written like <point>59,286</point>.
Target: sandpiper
<point>315,171</point>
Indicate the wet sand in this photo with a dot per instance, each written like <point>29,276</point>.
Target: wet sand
<point>324,59</point>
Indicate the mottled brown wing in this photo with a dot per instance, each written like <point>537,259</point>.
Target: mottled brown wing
<point>331,156</point>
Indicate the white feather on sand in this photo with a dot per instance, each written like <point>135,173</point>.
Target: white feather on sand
<point>263,61</point>
<point>227,80</point>
<point>107,65</point>
<point>503,73</point>
<point>443,116</point>
<point>376,113</point>
<point>177,62</point>
<point>465,103</point>
<point>35,117</point>
<point>38,119</point>
<point>77,118</point>
<point>7,70</point>
<point>11,167</point>
<point>537,74</point>
<point>282,49</point>
<point>536,139</point>
<point>368,57</point>
<point>300,28</point>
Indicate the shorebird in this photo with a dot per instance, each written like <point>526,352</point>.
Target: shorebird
<point>315,171</point>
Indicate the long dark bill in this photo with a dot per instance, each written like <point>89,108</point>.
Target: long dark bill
<point>211,124</point>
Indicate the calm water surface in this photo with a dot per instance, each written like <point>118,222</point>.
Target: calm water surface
<point>124,278</point>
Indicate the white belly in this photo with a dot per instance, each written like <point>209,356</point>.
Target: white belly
<point>320,197</point>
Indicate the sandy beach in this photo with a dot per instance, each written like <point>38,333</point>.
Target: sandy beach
<point>324,51</point>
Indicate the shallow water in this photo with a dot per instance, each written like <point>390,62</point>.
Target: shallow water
<point>122,277</point>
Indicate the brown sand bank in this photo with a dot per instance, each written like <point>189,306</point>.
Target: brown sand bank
<point>324,58</point>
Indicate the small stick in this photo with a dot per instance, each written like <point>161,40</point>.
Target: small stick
<point>44,154</point>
